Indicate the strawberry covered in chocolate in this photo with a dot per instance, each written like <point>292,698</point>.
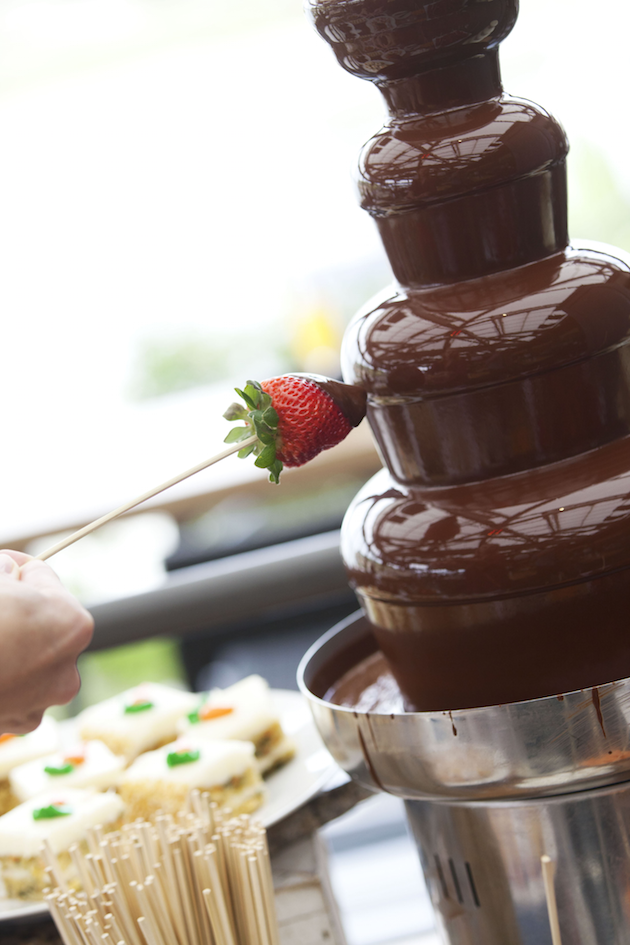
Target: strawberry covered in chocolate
<point>295,417</point>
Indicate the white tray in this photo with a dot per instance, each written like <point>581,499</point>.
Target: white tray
<point>287,789</point>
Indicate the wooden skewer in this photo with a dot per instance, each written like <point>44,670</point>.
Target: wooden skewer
<point>222,908</point>
<point>221,894</point>
<point>93,932</point>
<point>147,930</point>
<point>52,864</point>
<point>191,925</point>
<point>148,912</point>
<point>66,930</point>
<point>115,927</point>
<point>82,532</point>
<point>548,869</point>
<point>125,914</point>
<point>213,915</point>
<point>259,904</point>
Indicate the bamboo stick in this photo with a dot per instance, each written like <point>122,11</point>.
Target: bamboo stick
<point>247,897</point>
<point>193,892</point>
<point>174,903</point>
<point>191,925</point>
<point>120,899</point>
<point>148,913</point>
<point>118,934</point>
<point>548,870</point>
<point>115,513</point>
<point>221,895</point>
<point>82,872</point>
<point>167,885</point>
<point>64,925</point>
<point>215,918</point>
<point>92,840</point>
<point>259,905</point>
<point>106,853</point>
<point>147,931</point>
<point>202,882</point>
<point>153,891</point>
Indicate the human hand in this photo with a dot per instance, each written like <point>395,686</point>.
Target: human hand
<point>43,629</point>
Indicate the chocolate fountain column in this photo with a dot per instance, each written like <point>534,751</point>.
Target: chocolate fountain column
<point>492,555</point>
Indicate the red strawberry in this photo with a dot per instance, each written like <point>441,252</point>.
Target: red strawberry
<point>295,417</point>
<point>309,420</point>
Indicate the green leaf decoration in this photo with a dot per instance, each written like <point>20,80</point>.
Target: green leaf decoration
<point>51,811</point>
<point>181,758</point>
<point>68,768</point>
<point>261,421</point>
<point>140,705</point>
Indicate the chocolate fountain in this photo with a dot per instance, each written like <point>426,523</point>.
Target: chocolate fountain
<point>485,682</point>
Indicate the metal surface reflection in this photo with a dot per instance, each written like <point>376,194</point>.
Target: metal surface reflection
<point>541,747</point>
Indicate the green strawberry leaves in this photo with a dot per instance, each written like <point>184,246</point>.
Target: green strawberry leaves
<point>260,419</point>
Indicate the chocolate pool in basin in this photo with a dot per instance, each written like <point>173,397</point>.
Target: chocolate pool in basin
<point>485,682</point>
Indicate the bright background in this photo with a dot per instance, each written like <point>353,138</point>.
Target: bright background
<point>177,210</point>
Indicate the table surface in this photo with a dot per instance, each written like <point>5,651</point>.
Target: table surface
<point>42,932</point>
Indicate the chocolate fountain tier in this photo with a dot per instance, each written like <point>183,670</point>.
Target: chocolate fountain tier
<point>509,588</point>
<point>536,748</point>
<point>497,374</point>
<point>389,41</point>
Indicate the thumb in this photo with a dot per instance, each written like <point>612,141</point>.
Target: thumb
<point>9,568</point>
<point>39,574</point>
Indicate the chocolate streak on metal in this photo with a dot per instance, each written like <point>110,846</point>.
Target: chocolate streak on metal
<point>368,761</point>
<point>598,708</point>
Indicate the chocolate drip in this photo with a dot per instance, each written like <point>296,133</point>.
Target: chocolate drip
<point>492,555</point>
<point>351,399</point>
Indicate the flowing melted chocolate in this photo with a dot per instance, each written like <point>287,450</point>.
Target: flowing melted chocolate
<point>368,687</point>
<point>492,555</point>
<point>351,399</point>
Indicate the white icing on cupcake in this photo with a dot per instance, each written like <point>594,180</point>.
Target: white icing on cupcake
<point>242,711</point>
<point>87,765</point>
<point>18,749</point>
<point>201,763</point>
<point>22,835</point>
<point>138,719</point>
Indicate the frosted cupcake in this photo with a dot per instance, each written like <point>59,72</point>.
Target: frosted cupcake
<point>17,749</point>
<point>137,720</point>
<point>161,780</point>
<point>87,765</point>
<point>60,817</point>
<point>243,711</point>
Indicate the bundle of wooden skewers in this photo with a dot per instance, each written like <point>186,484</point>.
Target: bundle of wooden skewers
<point>203,880</point>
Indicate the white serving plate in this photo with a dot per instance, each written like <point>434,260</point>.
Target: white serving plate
<point>287,789</point>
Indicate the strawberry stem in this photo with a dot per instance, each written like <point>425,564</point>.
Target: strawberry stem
<point>260,419</point>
